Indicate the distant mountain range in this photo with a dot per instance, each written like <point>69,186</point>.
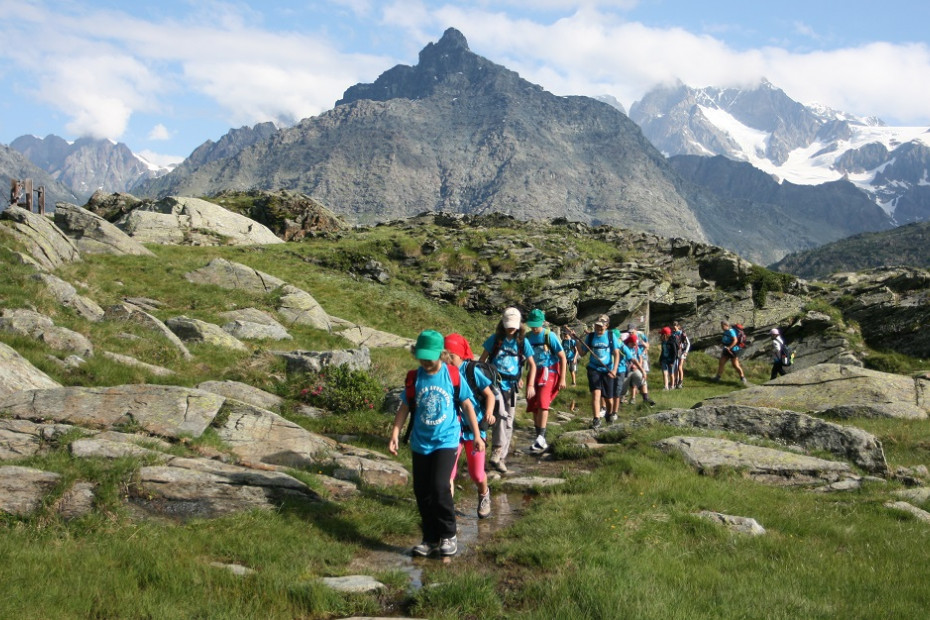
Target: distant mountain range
<point>749,170</point>
<point>804,145</point>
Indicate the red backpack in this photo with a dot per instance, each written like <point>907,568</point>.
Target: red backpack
<point>410,389</point>
<point>740,342</point>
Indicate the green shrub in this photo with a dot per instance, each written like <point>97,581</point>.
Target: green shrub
<point>341,390</point>
<point>764,281</point>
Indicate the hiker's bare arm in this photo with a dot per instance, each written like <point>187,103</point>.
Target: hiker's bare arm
<point>488,404</point>
<point>473,424</point>
<point>399,418</point>
<point>484,356</point>
<point>563,370</point>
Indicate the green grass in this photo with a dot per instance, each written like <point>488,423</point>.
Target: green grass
<point>619,542</point>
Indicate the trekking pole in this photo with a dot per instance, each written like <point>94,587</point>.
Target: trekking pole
<point>582,341</point>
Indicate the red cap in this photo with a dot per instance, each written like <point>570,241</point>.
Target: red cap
<point>456,343</point>
<point>666,331</point>
<point>631,339</point>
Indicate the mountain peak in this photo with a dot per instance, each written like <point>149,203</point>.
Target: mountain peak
<point>452,41</point>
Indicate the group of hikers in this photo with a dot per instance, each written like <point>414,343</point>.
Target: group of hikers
<point>453,399</point>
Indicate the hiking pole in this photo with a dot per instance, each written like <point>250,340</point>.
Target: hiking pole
<point>582,341</point>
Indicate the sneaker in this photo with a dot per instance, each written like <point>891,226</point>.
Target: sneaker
<point>610,417</point>
<point>651,402</point>
<point>448,546</point>
<point>596,424</point>
<point>716,379</point>
<point>424,549</point>
<point>539,445</point>
<point>743,379</point>
<point>498,465</point>
<point>484,505</point>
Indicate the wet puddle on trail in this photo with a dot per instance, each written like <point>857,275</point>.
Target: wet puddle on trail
<point>505,509</point>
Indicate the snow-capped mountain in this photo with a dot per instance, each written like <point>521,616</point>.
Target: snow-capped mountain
<point>88,164</point>
<point>803,144</point>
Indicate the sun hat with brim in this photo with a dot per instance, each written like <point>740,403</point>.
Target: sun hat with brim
<point>429,346</point>
<point>603,320</point>
<point>536,318</point>
<point>457,344</point>
<point>511,318</point>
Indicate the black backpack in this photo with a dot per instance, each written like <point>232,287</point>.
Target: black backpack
<point>490,371</point>
<point>787,353</point>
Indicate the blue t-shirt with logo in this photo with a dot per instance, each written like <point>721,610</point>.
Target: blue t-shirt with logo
<point>729,337</point>
<point>570,346</point>
<point>506,360</point>
<point>436,420</point>
<point>602,347</point>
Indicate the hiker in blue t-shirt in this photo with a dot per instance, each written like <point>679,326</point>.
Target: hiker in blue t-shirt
<point>572,353</point>
<point>508,349</point>
<point>731,351</point>
<point>434,441</point>
<point>550,375</point>
<point>602,365</point>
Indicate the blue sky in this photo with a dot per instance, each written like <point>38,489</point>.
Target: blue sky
<point>164,77</point>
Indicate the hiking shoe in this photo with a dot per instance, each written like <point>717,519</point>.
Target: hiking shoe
<point>448,546</point>
<point>596,424</point>
<point>716,379</point>
<point>424,549</point>
<point>499,466</point>
<point>610,417</point>
<point>743,379</point>
<point>484,505</point>
<point>539,445</point>
<point>651,402</point>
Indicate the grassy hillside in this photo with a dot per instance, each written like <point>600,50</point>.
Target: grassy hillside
<point>620,540</point>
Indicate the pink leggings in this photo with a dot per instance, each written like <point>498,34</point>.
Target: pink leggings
<point>475,461</point>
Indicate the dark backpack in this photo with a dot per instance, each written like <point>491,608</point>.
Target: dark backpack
<point>740,342</point>
<point>490,371</point>
<point>410,390</point>
<point>787,354</point>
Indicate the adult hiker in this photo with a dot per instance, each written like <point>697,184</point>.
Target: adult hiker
<point>438,394</point>
<point>602,365</point>
<point>684,346</point>
<point>778,354</point>
<point>508,349</point>
<point>668,357</point>
<point>571,348</point>
<point>731,350</point>
<point>483,401</point>
<point>551,366</point>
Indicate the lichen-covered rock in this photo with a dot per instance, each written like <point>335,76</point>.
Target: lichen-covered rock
<point>94,235</point>
<point>17,373</point>
<point>46,244</point>
<point>22,489</point>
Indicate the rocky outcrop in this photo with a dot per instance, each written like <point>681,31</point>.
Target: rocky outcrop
<point>68,296</point>
<point>826,386</point>
<point>192,221</point>
<point>244,392</point>
<point>34,325</point>
<point>130,312</point>
<point>709,455</point>
<point>195,330</point>
<point>17,373</point>
<point>22,489</point>
<point>254,324</point>
<point>22,438</point>
<point>361,335</point>
<point>295,305</point>
<point>128,360</point>
<point>315,361</point>
<point>94,235</point>
<point>794,429</point>
<point>46,244</point>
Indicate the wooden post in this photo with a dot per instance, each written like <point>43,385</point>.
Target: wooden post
<point>15,189</point>
<point>29,195</point>
<point>40,199</point>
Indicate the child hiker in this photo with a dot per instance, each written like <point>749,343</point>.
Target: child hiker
<point>483,401</point>
<point>434,393</point>
<point>551,366</point>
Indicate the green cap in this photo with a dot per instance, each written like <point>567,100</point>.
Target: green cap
<point>430,344</point>
<point>536,318</point>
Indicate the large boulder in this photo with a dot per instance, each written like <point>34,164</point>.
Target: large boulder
<point>22,438</point>
<point>129,312</point>
<point>826,386</point>
<point>68,296</point>
<point>315,361</point>
<point>164,410</point>
<point>195,330</point>
<point>44,241</point>
<point>243,392</point>
<point>22,489</point>
<point>34,325</point>
<point>191,221</point>
<point>94,235</point>
<point>17,373</point>
<point>788,427</point>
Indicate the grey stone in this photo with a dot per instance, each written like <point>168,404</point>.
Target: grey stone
<point>360,335</point>
<point>164,410</point>
<point>235,569</point>
<point>740,525</point>
<point>159,371</point>
<point>46,244</point>
<point>17,373</point>
<point>245,393</point>
<point>76,502</point>
<point>353,583</point>
<point>22,438</point>
<point>128,312</point>
<point>229,275</point>
<point>917,513</point>
<point>94,235</point>
<point>247,330</point>
<point>315,361</point>
<point>708,455</point>
<point>530,483</point>
<point>195,330</point>
<point>298,307</point>
<point>22,489</point>
<point>95,447</point>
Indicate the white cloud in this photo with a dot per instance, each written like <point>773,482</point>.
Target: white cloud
<point>159,132</point>
<point>160,160</point>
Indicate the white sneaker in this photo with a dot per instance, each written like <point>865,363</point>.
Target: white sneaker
<point>448,546</point>
<point>484,505</point>
<point>539,445</point>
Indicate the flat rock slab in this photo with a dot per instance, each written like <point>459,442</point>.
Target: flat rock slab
<point>22,489</point>
<point>921,515</point>
<point>46,244</point>
<point>797,429</point>
<point>126,360</point>
<point>22,438</point>
<point>353,583</point>
<point>198,487</point>
<point>740,525</point>
<point>244,392</point>
<point>168,411</point>
<point>708,455</point>
<point>106,449</point>
<point>826,386</point>
<point>360,335</point>
<point>530,483</point>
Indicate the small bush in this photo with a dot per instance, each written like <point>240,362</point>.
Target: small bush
<point>342,390</point>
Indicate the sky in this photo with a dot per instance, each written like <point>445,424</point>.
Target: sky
<point>163,77</point>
